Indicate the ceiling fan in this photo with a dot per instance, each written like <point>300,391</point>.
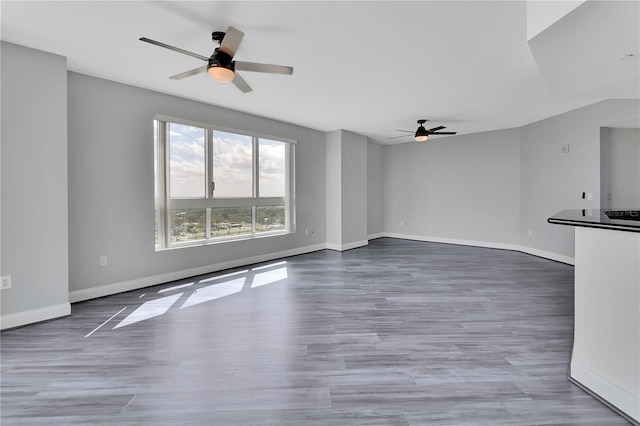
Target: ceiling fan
<point>220,65</point>
<point>422,134</point>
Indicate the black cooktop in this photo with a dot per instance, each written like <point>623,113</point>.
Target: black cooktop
<point>621,220</point>
<point>623,214</point>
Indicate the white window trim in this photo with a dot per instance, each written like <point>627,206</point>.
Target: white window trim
<point>185,122</point>
<point>165,204</point>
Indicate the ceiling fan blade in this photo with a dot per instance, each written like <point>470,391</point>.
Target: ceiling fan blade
<point>231,41</point>
<point>268,68</point>
<point>175,49</point>
<point>407,131</point>
<point>241,84</point>
<point>443,133</point>
<point>435,129</point>
<point>397,137</point>
<point>186,74</point>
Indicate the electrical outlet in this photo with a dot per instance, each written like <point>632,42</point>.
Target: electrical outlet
<point>5,282</point>
<point>306,231</point>
<point>103,261</point>
<point>530,233</point>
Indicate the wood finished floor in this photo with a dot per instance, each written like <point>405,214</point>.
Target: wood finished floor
<point>396,333</point>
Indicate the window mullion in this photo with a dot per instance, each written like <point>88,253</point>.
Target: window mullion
<point>256,182</point>
<point>290,191</point>
<point>209,163</point>
<point>210,184</point>
<point>164,213</point>
<point>256,167</point>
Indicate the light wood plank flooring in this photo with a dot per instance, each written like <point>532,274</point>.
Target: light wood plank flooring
<point>396,333</point>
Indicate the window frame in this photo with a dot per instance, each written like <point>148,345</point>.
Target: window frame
<point>165,204</point>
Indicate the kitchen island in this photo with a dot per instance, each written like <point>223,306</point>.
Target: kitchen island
<point>606,348</point>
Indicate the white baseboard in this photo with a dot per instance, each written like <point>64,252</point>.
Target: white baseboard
<point>375,236</point>
<point>460,242</point>
<point>34,315</point>
<point>548,255</point>
<point>608,391</point>
<point>487,244</point>
<point>349,246</point>
<point>109,289</point>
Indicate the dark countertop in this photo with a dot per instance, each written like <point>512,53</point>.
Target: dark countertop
<point>620,220</point>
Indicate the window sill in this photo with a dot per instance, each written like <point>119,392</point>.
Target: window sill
<point>222,240</point>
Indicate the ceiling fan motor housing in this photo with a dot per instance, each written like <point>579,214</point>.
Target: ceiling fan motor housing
<point>221,59</point>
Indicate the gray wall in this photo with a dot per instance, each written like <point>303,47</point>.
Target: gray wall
<point>346,190</point>
<point>624,168</point>
<point>334,187</point>
<point>111,200</point>
<point>605,164</point>
<point>34,185</point>
<point>375,186</point>
<point>493,188</point>
<point>457,188</point>
<point>551,180</point>
<point>354,188</point>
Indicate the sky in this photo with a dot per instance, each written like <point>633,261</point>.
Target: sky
<point>231,165</point>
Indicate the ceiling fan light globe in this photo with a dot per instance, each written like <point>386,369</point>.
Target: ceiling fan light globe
<point>221,74</point>
<point>422,138</point>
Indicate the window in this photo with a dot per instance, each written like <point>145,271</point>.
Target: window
<point>214,184</point>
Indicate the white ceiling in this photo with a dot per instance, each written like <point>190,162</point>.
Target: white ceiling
<point>367,67</point>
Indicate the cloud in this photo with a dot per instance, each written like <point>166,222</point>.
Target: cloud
<point>232,167</point>
<point>187,179</point>
<point>187,161</point>
<point>186,150</point>
<point>272,168</point>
